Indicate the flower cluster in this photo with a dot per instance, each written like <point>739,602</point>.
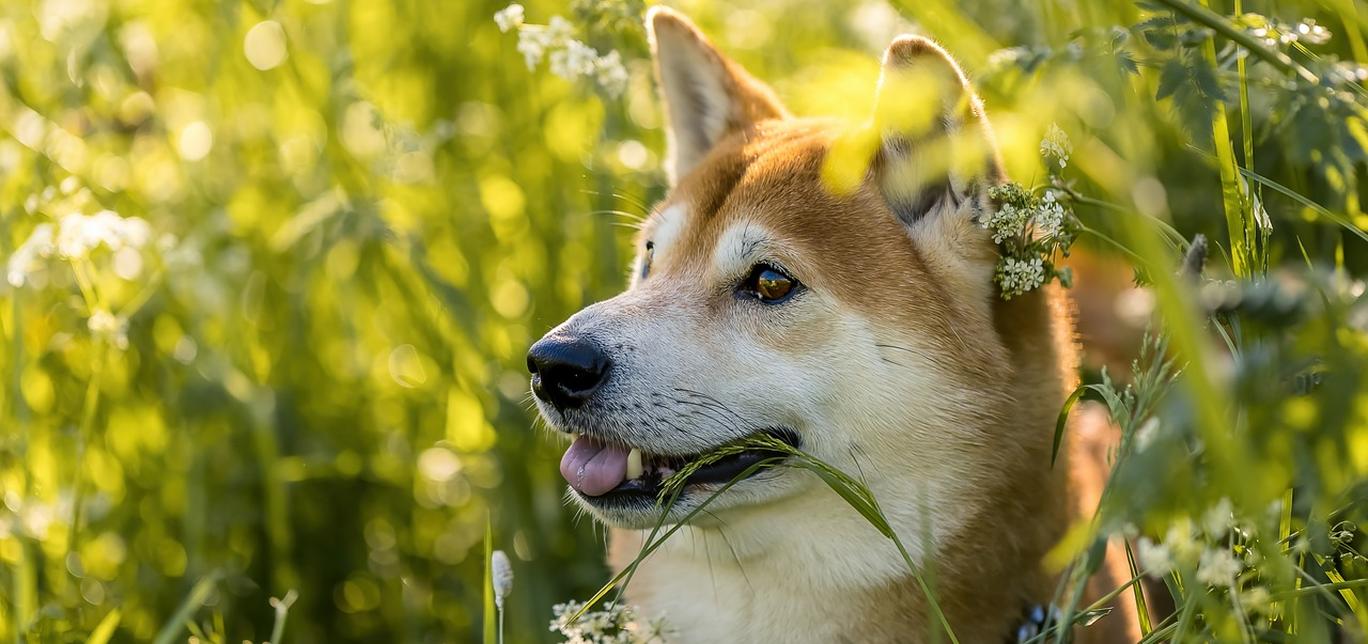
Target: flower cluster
<point>1056,146</point>
<point>109,327</point>
<point>1030,231</point>
<point>74,240</point>
<point>1201,545</point>
<point>615,624</point>
<point>1017,276</point>
<point>74,237</point>
<point>567,56</point>
<point>1274,33</point>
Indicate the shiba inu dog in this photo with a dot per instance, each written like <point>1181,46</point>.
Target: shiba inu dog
<point>859,323</point>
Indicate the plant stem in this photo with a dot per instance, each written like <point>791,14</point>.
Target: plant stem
<point>1223,26</point>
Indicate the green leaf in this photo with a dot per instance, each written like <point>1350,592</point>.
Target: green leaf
<point>1063,421</point>
<point>1171,77</point>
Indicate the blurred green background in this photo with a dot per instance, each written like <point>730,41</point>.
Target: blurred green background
<point>306,370</point>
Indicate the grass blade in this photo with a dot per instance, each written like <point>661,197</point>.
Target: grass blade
<point>852,491</point>
<point>105,629</point>
<point>1063,420</point>
<point>650,547</point>
<point>1320,210</point>
<point>1141,606</point>
<point>198,595</point>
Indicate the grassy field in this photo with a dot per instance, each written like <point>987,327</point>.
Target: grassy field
<point>272,268</point>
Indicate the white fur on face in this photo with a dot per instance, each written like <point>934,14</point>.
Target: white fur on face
<point>663,238</point>
<point>740,247</point>
<point>672,220</point>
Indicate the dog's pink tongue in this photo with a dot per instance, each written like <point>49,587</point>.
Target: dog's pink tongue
<point>593,468</point>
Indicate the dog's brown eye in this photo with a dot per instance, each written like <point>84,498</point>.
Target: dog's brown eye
<point>769,284</point>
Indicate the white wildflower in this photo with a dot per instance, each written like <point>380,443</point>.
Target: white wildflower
<point>1018,276</point>
<point>614,624</point>
<point>611,74</point>
<point>1007,56</point>
<point>1056,146</point>
<point>1310,32</point>
<point>1217,567</point>
<point>1218,519</point>
<point>511,17</point>
<point>1258,600</point>
<point>1008,222</point>
<point>1155,558</point>
<point>1342,73</point>
<point>567,56</point>
<point>1180,541</point>
<point>575,60</point>
<point>559,30</point>
<point>503,574</point>
<point>1265,36</point>
<point>532,44</point>
<point>110,327</point>
<point>28,257</point>
<point>79,234</point>
<point>1049,220</point>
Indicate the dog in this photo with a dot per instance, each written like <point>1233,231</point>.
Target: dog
<point>853,318</point>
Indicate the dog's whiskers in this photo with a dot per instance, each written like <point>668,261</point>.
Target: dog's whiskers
<point>636,204</point>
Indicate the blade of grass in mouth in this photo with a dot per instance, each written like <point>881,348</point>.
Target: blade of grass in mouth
<point>853,492</point>
<point>676,481</point>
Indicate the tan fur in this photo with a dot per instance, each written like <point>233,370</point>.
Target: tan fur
<point>901,363</point>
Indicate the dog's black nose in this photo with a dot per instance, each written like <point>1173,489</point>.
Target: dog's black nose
<point>566,371</point>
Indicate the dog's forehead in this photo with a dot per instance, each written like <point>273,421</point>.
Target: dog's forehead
<point>757,176</point>
<point>763,188</point>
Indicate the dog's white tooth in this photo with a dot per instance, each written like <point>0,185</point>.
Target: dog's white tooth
<point>634,468</point>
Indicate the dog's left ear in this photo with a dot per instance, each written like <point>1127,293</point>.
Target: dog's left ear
<point>936,156</point>
<point>706,95</point>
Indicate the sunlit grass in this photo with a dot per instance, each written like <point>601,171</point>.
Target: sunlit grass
<point>299,391</point>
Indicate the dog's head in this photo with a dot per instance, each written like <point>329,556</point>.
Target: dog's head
<point>852,318</point>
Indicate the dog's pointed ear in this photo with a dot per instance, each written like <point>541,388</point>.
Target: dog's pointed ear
<point>706,95</point>
<point>936,153</point>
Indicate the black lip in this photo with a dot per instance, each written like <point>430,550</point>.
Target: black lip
<point>724,470</point>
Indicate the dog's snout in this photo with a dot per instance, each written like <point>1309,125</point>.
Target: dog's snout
<point>566,370</point>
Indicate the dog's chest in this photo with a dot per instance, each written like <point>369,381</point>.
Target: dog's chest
<point>714,589</point>
<point>724,602</point>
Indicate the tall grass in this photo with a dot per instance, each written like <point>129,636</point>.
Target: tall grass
<point>308,374</point>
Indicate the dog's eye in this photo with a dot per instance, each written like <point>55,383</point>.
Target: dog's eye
<point>646,259</point>
<point>769,284</point>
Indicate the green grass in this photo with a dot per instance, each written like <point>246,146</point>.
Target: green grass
<point>303,394</point>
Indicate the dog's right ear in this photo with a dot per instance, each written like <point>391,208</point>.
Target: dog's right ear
<point>706,95</point>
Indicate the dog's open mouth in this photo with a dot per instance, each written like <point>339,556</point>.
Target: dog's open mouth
<point>605,471</point>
